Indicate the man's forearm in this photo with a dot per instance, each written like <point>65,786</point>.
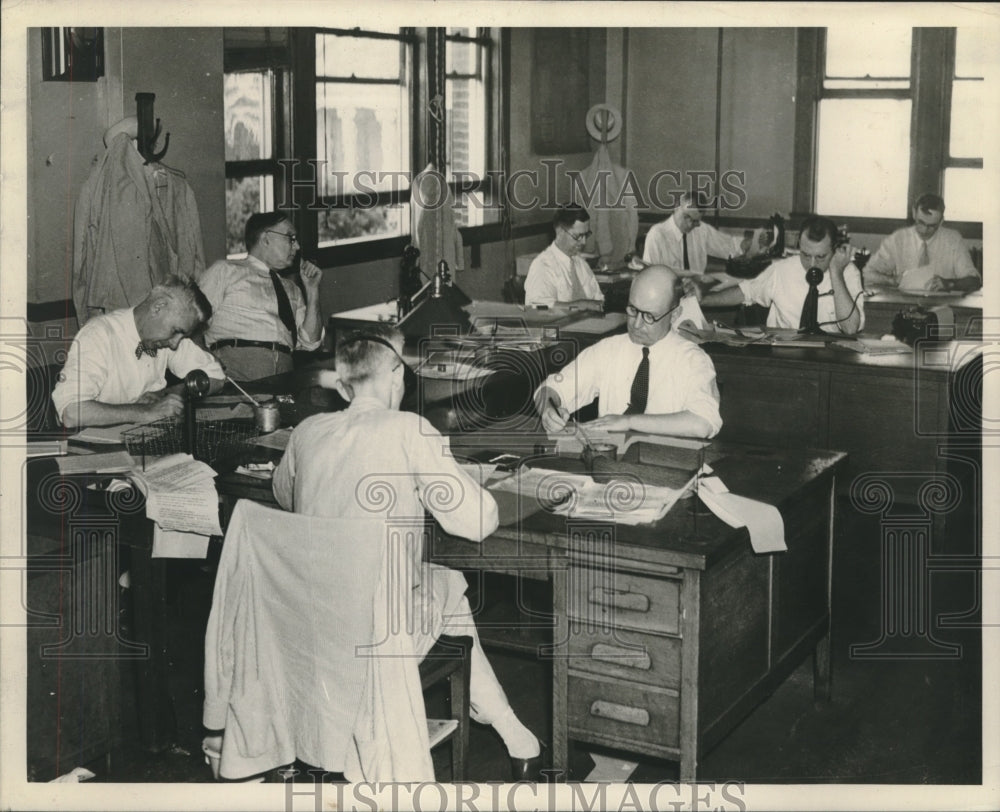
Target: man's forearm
<point>95,413</point>
<point>681,424</point>
<point>312,323</point>
<point>846,309</point>
<point>730,297</point>
<point>965,284</point>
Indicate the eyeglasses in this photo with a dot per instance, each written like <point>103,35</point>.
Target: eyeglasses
<point>291,237</point>
<point>576,236</point>
<point>648,318</point>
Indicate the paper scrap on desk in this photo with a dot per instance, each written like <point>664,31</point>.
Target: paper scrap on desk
<point>874,346</point>
<point>111,462</point>
<point>762,521</point>
<point>103,434</point>
<point>240,410</point>
<point>276,439</point>
<point>178,544</point>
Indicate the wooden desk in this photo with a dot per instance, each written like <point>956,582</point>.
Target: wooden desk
<point>890,413</point>
<point>665,636</point>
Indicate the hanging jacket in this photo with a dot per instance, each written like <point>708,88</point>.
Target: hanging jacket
<point>615,226</point>
<point>432,222</point>
<point>134,225</point>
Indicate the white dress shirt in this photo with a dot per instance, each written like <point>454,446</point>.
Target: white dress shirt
<point>782,286</point>
<point>900,252</point>
<point>558,277</point>
<point>244,304</point>
<point>665,246</point>
<point>681,378</point>
<point>101,364</point>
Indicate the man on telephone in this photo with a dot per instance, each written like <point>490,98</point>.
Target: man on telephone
<point>819,290</point>
<point>924,256</point>
<point>260,315</point>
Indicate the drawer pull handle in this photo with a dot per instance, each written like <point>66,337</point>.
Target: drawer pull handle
<point>620,713</point>
<point>627,657</point>
<point>630,601</point>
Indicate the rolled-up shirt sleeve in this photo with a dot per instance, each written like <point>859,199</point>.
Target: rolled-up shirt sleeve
<point>84,374</point>
<point>703,393</point>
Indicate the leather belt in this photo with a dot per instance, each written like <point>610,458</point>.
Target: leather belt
<point>274,346</point>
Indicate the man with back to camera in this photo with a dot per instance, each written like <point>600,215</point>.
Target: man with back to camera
<point>650,380</point>
<point>329,458</point>
<point>924,256</point>
<point>115,371</point>
<point>559,275</point>
<point>784,287</point>
<point>260,315</point>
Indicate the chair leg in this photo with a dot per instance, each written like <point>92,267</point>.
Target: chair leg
<point>458,684</point>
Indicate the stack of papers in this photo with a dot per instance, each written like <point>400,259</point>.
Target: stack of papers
<point>875,346</point>
<point>622,501</point>
<point>112,462</point>
<point>181,499</point>
<point>111,435</point>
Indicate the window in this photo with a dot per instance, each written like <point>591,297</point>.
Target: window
<point>883,119</point>
<point>363,91</point>
<point>468,59</point>
<point>863,124</point>
<point>963,173</point>
<point>256,85</point>
<point>362,104</point>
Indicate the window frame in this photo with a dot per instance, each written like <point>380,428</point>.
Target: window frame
<point>278,61</point>
<point>931,72</point>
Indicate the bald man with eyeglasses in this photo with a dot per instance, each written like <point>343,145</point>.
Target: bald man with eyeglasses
<point>559,276</point>
<point>260,315</point>
<point>649,380</point>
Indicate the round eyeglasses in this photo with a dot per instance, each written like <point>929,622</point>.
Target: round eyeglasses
<point>647,318</point>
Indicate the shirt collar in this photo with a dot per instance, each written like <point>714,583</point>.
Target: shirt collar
<point>132,336</point>
<point>366,403</point>
<point>257,264</point>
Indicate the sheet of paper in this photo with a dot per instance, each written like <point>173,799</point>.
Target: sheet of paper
<point>235,411</point>
<point>103,434</point>
<point>177,472</point>
<point>112,462</point>
<point>763,521</point>
<point>596,325</point>
<point>177,544</point>
<point>276,439</point>
<point>194,511</point>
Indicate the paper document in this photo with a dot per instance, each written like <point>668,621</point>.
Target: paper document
<point>276,439</point>
<point>623,501</point>
<point>763,521</point>
<point>103,434</point>
<point>180,494</point>
<point>596,325</point>
<point>111,462</point>
<point>177,544</point>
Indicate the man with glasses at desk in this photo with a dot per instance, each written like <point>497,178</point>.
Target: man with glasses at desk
<point>559,275</point>
<point>650,380</point>
<point>259,314</point>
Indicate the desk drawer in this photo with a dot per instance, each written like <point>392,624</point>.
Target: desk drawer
<point>627,655</point>
<point>626,713</point>
<point>605,598</point>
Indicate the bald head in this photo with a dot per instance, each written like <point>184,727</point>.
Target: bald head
<point>655,291</point>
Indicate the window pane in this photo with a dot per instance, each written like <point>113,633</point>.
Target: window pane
<point>361,128</point>
<point>338,226</point>
<point>855,52</point>
<point>863,157</point>
<point>967,102</point>
<point>971,53</point>
<point>248,115</point>
<point>466,122</point>
<point>245,196</point>
<point>363,57</point>
<point>963,194</point>
<point>460,57</point>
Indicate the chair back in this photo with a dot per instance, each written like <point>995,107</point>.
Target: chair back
<point>290,648</point>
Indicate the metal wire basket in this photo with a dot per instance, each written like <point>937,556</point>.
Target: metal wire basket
<point>214,439</point>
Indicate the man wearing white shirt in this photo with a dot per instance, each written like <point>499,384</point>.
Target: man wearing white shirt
<point>924,256</point>
<point>559,275</point>
<point>784,287</point>
<point>259,315</point>
<point>683,242</point>
<point>650,380</point>
<point>115,370</point>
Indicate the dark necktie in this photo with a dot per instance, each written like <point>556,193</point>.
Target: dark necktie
<point>687,262</point>
<point>925,258</point>
<point>284,307</point>
<point>141,348</point>
<point>809,322</point>
<point>640,386</point>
